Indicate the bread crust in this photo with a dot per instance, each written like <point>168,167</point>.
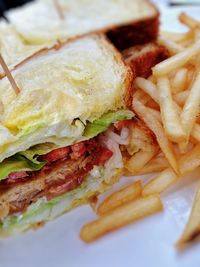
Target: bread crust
<point>141,58</point>
<point>137,32</point>
<point>118,57</point>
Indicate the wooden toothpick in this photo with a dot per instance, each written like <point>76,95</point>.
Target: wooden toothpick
<point>59,9</point>
<point>9,75</point>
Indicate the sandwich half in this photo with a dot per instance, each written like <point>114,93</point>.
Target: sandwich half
<point>59,137</point>
<point>126,22</point>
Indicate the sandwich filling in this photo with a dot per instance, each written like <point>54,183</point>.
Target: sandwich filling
<point>31,175</point>
<point>58,142</point>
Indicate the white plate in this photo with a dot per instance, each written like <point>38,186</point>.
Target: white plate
<point>146,243</point>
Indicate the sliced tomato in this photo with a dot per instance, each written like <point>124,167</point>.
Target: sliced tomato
<point>104,155</point>
<point>78,150</point>
<point>60,153</point>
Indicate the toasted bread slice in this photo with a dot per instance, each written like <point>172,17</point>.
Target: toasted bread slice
<point>126,22</point>
<point>141,58</point>
<point>72,82</point>
<point>137,33</point>
<point>12,47</point>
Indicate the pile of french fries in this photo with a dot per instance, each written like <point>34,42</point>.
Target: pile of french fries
<point>168,102</point>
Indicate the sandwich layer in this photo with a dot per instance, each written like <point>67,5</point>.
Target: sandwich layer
<point>80,17</point>
<point>65,170</point>
<point>12,46</point>
<point>61,90</point>
<point>72,175</point>
<point>44,210</point>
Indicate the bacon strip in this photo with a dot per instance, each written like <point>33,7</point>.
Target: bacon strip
<point>58,177</point>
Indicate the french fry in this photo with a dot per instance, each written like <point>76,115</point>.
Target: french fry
<point>152,79</point>
<point>158,130</point>
<point>121,216</point>
<point>191,77</point>
<point>197,33</point>
<point>181,97</point>
<point>190,161</point>
<point>179,82</point>
<point>155,165</point>
<point>188,21</point>
<point>148,87</point>
<point>120,197</point>
<point>160,183</point>
<point>192,228</point>
<point>145,98</point>
<point>176,61</point>
<point>191,109</point>
<point>172,47</point>
<point>155,113</point>
<point>139,95</point>
<point>169,114</point>
<point>177,36</point>
<point>196,132</point>
<point>153,105</point>
<point>187,163</point>
<point>139,160</point>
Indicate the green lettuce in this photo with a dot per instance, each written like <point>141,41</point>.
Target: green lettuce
<point>35,151</point>
<point>18,163</point>
<point>100,125</point>
<point>28,160</point>
<point>44,210</point>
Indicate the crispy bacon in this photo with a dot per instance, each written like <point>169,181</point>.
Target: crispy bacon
<point>55,178</point>
<point>16,176</point>
<point>57,154</point>
<point>74,180</point>
<point>78,150</point>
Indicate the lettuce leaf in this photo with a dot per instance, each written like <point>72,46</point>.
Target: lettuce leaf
<point>18,163</point>
<point>100,125</point>
<point>27,160</point>
<point>44,210</point>
<point>37,150</point>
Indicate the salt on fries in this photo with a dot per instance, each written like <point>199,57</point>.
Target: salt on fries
<point>168,102</point>
<point>123,215</point>
<point>120,197</point>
